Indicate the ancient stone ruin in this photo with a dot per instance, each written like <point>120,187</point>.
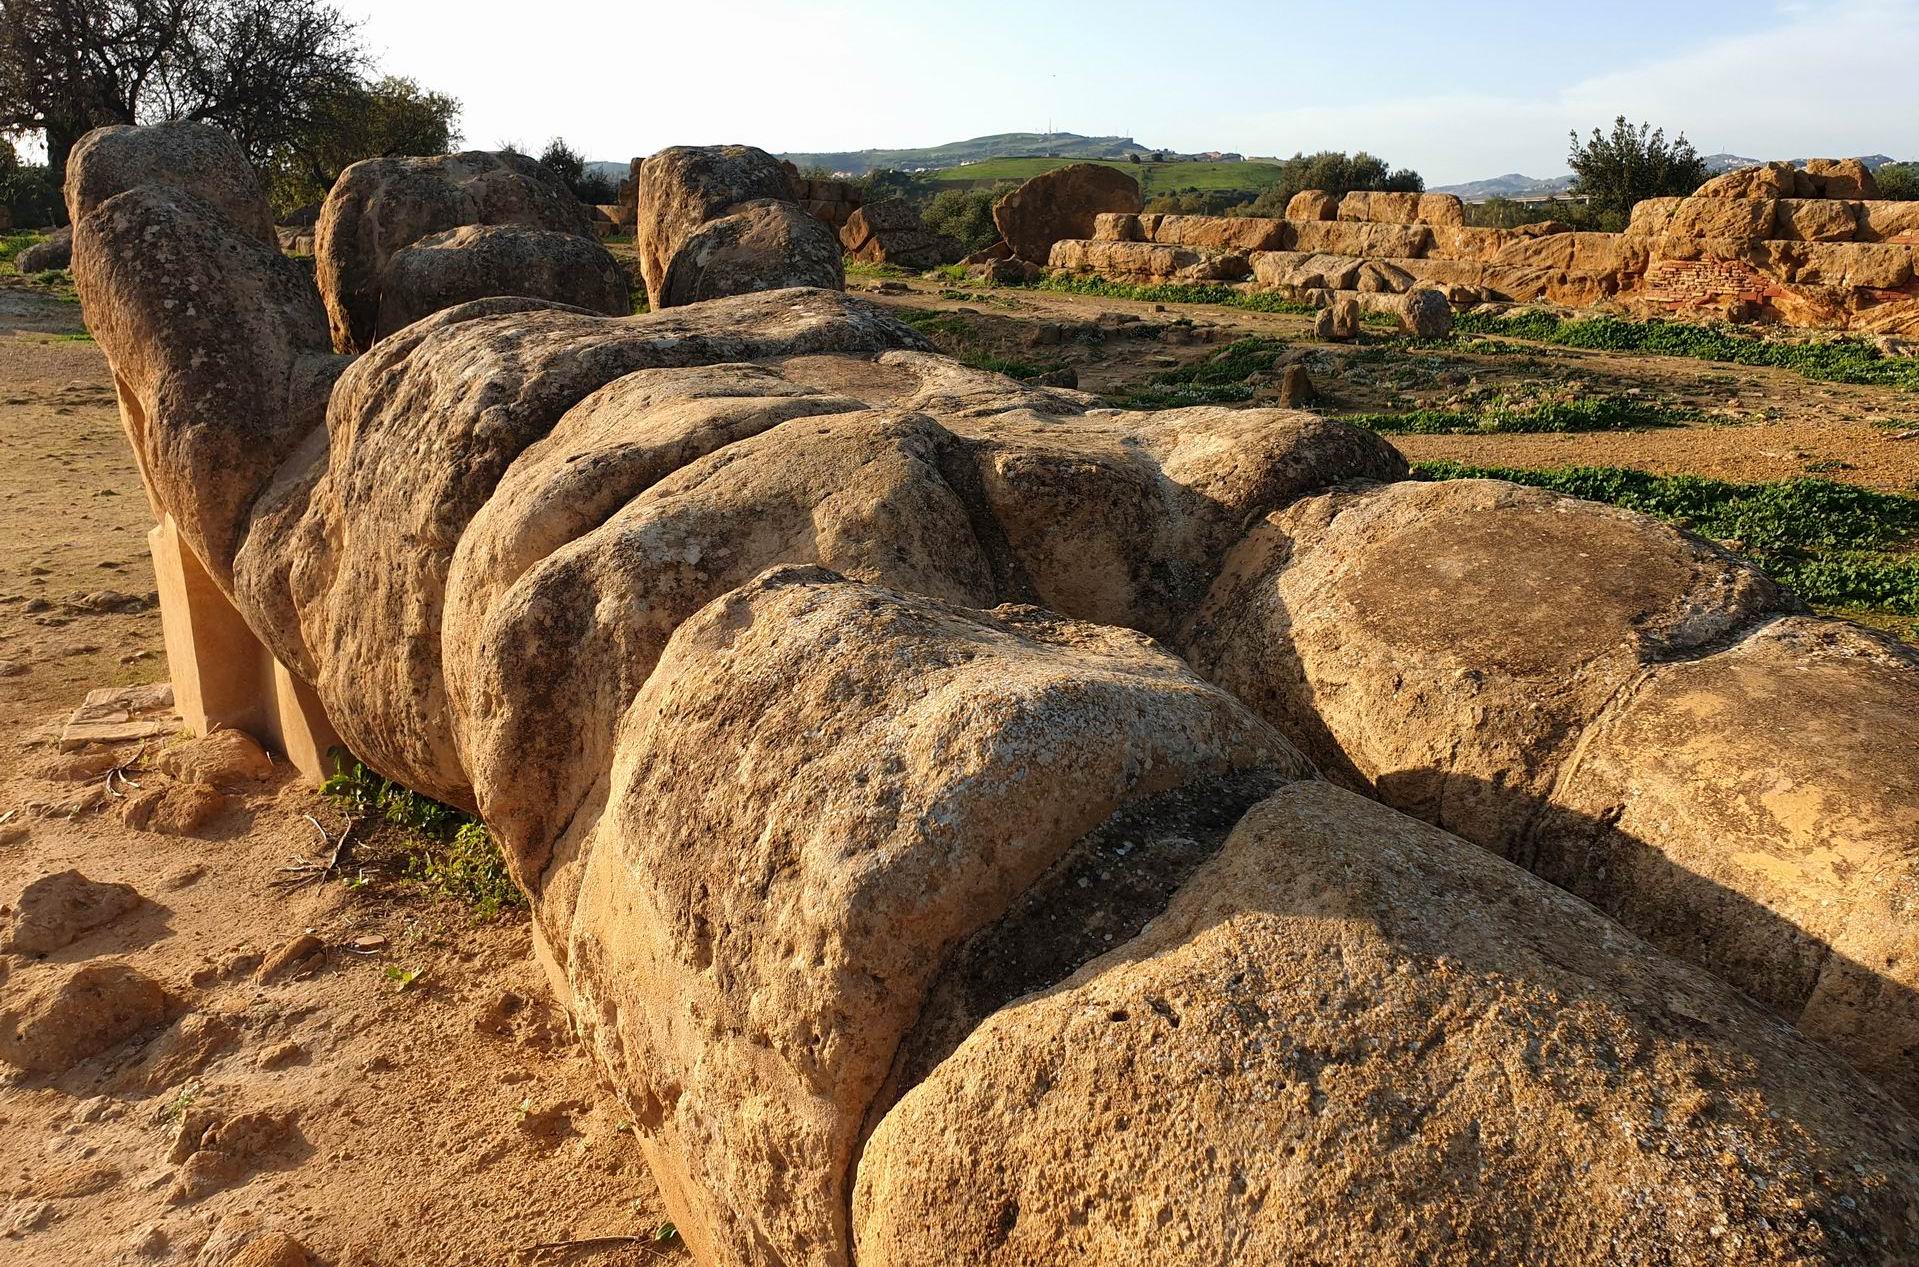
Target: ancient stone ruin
<point>1810,248</point>
<point>969,825</point>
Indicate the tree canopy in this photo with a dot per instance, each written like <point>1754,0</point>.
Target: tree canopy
<point>570,166</point>
<point>1613,172</point>
<point>288,79</point>
<point>1335,172</point>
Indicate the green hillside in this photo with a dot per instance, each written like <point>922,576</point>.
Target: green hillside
<point>1062,146</point>
<point>1154,178</point>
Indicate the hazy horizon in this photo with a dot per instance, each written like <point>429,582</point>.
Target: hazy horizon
<point>1460,94</point>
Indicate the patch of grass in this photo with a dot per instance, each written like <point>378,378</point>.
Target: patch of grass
<point>1173,293</point>
<point>446,849</point>
<point>859,268</point>
<point>954,335</point>
<point>1837,359</point>
<point>1220,379</point>
<point>11,244</point>
<point>1595,413</point>
<point>1838,546</point>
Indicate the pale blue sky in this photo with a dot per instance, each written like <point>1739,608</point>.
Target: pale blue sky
<point>1460,90</point>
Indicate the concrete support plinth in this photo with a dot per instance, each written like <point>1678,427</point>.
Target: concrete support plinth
<point>222,675</point>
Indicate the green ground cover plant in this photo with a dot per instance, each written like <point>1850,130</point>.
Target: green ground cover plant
<point>445,849</point>
<point>1834,359</point>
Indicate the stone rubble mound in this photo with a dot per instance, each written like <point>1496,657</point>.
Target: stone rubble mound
<point>967,825</point>
<point>1813,247</point>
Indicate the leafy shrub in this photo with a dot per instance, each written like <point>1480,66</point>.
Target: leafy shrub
<point>1898,181</point>
<point>965,215</point>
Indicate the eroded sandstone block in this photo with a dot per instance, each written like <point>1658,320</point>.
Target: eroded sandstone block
<point>1061,204</point>
<point>475,261</point>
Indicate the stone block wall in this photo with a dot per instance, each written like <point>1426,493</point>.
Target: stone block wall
<point>1830,262</point>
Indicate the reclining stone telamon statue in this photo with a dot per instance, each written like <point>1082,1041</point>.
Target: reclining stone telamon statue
<point>969,825</point>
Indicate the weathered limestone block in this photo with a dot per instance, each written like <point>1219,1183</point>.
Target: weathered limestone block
<point>1752,811</point>
<point>1297,270</point>
<point>479,261</point>
<point>1842,178</point>
<point>1651,217</point>
<point>380,205</point>
<point>1458,242</point>
<point>1290,1064</point>
<point>1145,260</point>
<point>1062,204</point>
<point>681,188</point>
<point>1312,204</point>
<point>1222,233</point>
<point>1394,591</point>
<point>1541,750</point>
<point>1344,237</point>
<point>1442,209</point>
<point>1849,265</point>
<point>1764,182</point>
<point>1736,219</point>
<point>196,158</point>
<point>761,245</point>
<point>135,254</point>
<point>1816,220</point>
<point>1384,208</point>
<point>1117,226</point>
<point>890,232</point>
<point>750,1000</point>
<point>1881,221</point>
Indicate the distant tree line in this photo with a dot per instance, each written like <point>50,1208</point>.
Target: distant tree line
<point>288,79</point>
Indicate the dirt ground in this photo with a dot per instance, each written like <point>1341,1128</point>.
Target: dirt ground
<point>447,1117</point>
<point>1753,424</point>
<point>451,1121</point>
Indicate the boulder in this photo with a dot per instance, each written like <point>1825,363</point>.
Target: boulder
<point>1061,204</point>
<point>225,758</point>
<point>1355,1039</point>
<point>53,251</point>
<point>1298,270</point>
<point>479,261</point>
<point>1312,204</point>
<point>1424,314</point>
<point>58,909</point>
<point>680,189</point>
<point>135,254</point>
<point>752,1058</point>
<point>1842,178</point>
<point>1766,181</point>
<point>62,1016</point>
<point>762,245</point>
<point>1339,320</point>
<point>1780,848</point>
<point>890,232</point>
<point>1116,226</point>
<point>382,205</point>
<point>1141,261</point>
<point>195,157</point>
<point>174,809</point>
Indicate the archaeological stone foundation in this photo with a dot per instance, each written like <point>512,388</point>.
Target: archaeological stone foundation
<point>972,826</point>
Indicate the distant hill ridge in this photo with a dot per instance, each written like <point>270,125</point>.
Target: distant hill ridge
<point>1515,185</point>
<point>979,148</point>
